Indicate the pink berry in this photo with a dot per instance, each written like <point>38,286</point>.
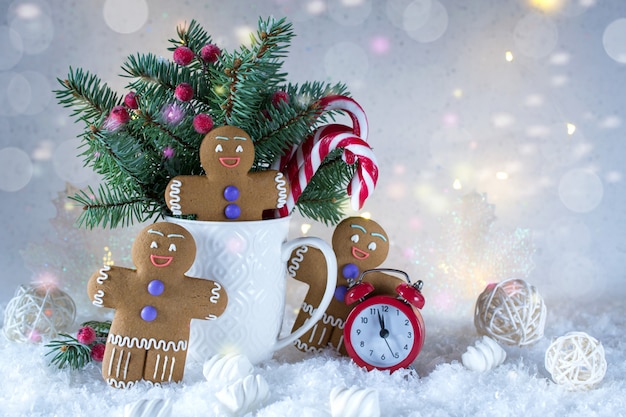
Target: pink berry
<point>168,152</point>
<point>184,92</point>
<point>117,118</point>
<point>203,123</point>
<point>86,335</point>
<point>97,352</point>
<point>131,100</point>
<point>279,96</point>
<point>210,53</point>
<point>183,55</point>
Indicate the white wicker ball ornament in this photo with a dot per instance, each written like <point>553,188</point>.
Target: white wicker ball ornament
<point>38,312</point>
<point>511,312</point>
<point>576,361</point>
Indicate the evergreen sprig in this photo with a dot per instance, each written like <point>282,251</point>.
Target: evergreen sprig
<point>137,157</point>
<point>69,352</point>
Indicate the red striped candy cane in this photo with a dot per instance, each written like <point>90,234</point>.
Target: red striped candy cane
<point>356,150</point>
<point>354,110</point>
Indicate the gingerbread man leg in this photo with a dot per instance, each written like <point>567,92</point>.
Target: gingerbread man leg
<point>164,366</point>
<point>122,367</point>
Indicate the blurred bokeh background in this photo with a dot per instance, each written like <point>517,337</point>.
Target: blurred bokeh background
<point>498,126</point>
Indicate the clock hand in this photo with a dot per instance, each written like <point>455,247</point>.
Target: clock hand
<point>384,333</point>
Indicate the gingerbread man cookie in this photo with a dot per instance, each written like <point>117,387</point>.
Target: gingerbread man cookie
<point>228,191</point>
<point>360,244</point>
<point>153,307</point>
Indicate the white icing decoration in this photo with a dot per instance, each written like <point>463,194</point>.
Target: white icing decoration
<point>306,348</point>
<point>143,343</point>
<point>120,384</point>
<point>216,293</point>
<point>97,298</point>
<point>211,317</point>
<point>156,366</point>
<point>485,355</point>
<point>294,263</point>
<point>282,190</point>
<point>244,396</point>
<point>103,274</point>
<point>175,197</point>
<point>226,369</point>
<point>354,402</point>
<point>111,361</point>
<point>149,408</point>
<point>326,318</point>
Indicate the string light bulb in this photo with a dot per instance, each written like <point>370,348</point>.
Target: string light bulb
<point>508,55</point>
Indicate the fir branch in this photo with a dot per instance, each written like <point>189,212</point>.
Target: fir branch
<point>90,99</point>
<point>324,197</point>
<point>113,207</point>
<point>68,352</point>
<point>253,70</point>
<point>193,36</point>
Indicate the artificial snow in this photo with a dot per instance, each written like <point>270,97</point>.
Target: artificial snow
<point>300,383</point>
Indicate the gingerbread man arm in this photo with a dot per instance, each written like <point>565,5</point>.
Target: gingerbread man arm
<point>205,298</point>
<point>105,285</point>
<point>184,194</point>
<point>275,189</point>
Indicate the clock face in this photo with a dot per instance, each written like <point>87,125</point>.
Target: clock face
<point>384,333</point>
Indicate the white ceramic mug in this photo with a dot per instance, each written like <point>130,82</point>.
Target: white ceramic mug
<point>249,258</point>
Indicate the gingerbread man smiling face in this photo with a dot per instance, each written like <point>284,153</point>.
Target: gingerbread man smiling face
<point>230,147</point>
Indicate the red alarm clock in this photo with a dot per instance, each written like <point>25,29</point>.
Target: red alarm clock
<point>384,332</point>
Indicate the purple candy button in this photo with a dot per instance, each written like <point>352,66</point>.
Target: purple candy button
<point>156,287</point>
<point>350,271</point>
<point>232,211</point>
<point>148,313</point>
<point>231,193</point>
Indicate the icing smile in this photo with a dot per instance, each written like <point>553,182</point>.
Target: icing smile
<point>230,162</point>
<point>358,253</point>
<point>161,261</point>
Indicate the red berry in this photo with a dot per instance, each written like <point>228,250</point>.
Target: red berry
<point>131,100</point>
<point>210,52</point>
<point>203,123</point>
<point>97,352</point>
<point>86,335</point>
<point>279,96</point>
<point>184,92</point>
<point>183,55</point>
<point>119,115</point>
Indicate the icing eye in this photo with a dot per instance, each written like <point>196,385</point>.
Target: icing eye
<point>172,248</point>
<point>239,149</point>
<point>218,148</point>
<point>372,246</point>
<point>154,245</point>
<point>354,238</point>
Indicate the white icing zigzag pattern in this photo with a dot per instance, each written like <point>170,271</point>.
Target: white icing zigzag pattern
<point>97,298</point>
<point>216,293</point>
<point>175,198</point>
<point>144,343</point>
<point>120,384</point>
<point>282,190</point>
<point>103,274</point>
<point>294,263</point>
<point>327,318</point>
<point>305,347</point>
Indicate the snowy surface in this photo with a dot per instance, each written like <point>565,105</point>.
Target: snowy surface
<point>300,384</point>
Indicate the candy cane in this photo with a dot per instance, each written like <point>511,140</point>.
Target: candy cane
<point>356,150</point>
<point>360,127</point>
<point>356,113</point>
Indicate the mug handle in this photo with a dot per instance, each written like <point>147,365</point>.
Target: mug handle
<point>331,283</point>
